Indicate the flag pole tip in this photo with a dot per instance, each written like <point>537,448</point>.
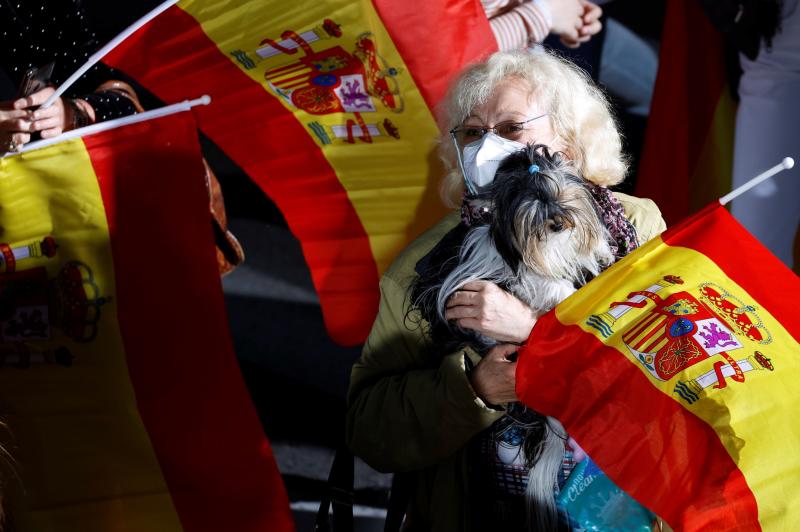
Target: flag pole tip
<point>206,99</point>
<point>788,163</point>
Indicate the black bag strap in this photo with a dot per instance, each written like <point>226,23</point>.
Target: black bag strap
<point>399,498</point>
<point>340,494</point>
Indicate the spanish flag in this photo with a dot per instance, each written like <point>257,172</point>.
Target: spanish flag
<point>118,380</point>
<point>328,107</point>
<point>676,370</point>
<point>687,159</point>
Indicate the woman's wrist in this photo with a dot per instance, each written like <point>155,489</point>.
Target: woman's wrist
<point>78,114</point>
<point>527,323</point>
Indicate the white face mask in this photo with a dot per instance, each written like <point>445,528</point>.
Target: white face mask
<point>482,157</point>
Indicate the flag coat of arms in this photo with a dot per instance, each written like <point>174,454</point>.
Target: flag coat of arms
<point>327,106</point>
<point>676,370</point>
<point>118,381</point>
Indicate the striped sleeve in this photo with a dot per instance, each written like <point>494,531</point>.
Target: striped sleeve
<point>517,24</point>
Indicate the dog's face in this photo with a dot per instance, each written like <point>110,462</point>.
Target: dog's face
<point>546,219</point>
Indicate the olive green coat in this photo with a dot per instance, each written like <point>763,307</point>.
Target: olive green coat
<point>412,410</point>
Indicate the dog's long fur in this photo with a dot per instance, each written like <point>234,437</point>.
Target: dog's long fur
<point>542,240</point>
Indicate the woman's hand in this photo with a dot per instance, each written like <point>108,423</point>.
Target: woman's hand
<point>18,121</point>
<point>589,26</point>
<point>15,127</point>
<point>566,16</point>
<point>51,121</point>
<point>493,379</point>
<point>485,307</point>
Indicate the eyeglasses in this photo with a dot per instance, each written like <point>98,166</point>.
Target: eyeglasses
<point>464,135</point>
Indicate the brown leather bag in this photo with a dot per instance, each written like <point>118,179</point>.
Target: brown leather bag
<point>229,252</point>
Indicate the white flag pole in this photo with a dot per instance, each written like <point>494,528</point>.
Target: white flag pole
<point>97,56</point>
<point>113,124</point>
<point>785,164</point>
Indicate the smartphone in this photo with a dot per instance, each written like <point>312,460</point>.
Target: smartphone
<point>35,79</point>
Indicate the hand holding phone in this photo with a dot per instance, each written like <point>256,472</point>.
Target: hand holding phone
<point>35,79</point>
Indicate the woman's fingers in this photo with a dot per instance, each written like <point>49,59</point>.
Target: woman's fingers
<point>469,323</point>
<point>18,123</point>
<point>588,25</point>
<point>9,143</point>
<point>12,114</point>
<point>52,132</point>
<point>488,309</point>
<point>463,297</point>
<point>502,351</point>
<point>37,98</point>
<point>591,12</point>
<point>494,378</point>
<point>54,110</point>
<point>51,121</point>
<point>475,286</point>
<point>48,123</point>
<point>588,30</point>
<point>461,312</point>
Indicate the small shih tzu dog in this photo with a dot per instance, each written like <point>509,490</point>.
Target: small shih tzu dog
<point>536,232</point>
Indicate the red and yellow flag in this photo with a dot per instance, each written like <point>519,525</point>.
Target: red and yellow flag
<point>118,379</point>
<point>327,106</point>
<point>687,159</point>
<point>676,370</point>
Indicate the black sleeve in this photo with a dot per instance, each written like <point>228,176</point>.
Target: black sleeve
<point>108,105</point>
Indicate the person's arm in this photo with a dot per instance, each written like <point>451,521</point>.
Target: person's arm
<point>517,25</point>
<point>408,408</point>
<point>19,118</point>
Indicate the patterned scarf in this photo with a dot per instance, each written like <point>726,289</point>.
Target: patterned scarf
<point>623,233</point>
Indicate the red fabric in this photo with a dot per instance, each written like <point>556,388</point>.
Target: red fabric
<point>691,79</point>
<point>174,59</point>
<point>191,397</point>
<point>437,39</point>
<point>646,442</point>
<point>657,451</point>
<point>717,235</point>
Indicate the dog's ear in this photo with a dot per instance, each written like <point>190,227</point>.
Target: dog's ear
<point>507,199</point>
<point>503,241</point>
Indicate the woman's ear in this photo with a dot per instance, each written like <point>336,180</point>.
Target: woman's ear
<point>559,144</point>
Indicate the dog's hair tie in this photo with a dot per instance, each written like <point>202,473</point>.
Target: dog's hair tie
<point>532,169</point>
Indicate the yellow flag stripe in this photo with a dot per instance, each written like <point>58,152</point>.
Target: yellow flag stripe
<point>765,449</point>
<point>85,460</point>
<point>375,129</point>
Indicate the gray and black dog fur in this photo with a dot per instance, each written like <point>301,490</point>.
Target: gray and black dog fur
<point>536,232</point>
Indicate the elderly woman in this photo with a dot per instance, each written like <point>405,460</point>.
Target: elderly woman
<point>414,409</point>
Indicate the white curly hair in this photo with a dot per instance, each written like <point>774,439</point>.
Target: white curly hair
<point>578,111</point>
